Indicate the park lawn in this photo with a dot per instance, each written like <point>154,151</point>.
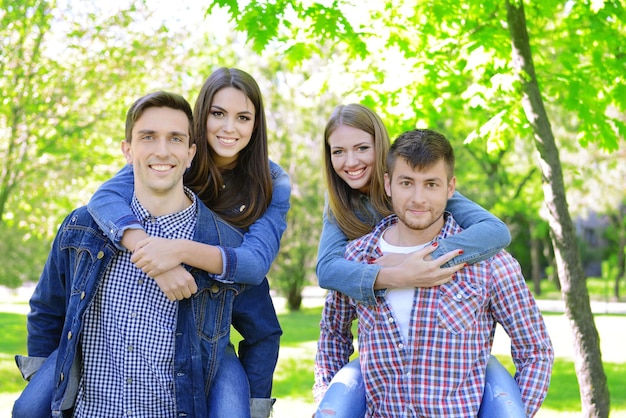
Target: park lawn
<point>294,374</point>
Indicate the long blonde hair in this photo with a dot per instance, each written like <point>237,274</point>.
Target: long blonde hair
<point>345,203</point>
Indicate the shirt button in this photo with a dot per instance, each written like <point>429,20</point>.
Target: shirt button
<point>129,380</point>
<point>215,288</point>
<point>391,320</point>
<point>100,254</point>
<point>69,335</point>
<point>131,348</point>
<point>459,296</point>
<point>82,295</point>
<point>400,345</point>
<point>133,315</point>
<point>140,281</point>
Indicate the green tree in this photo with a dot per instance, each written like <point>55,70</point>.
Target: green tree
<point>66,79</point>
<point>441,62</point>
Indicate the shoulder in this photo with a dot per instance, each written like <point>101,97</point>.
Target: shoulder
<point>281,184</point>
<point>79,218</point>
<point>210,223</point>
<point>504,264</point>
<point>80,229</point>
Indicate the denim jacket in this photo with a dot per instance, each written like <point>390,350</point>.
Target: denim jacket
<point>78,260</point>
<point>483,236</point>
<point>254,315</point>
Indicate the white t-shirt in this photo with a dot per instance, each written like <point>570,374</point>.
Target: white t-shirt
<point>400,300</point>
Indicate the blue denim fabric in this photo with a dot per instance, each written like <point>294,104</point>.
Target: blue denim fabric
<point>484,235</point>
<point>253,312</point>
<point>345,397</point>
<point>230,394</point>
<point>254,317</point>
<point>79,257</point>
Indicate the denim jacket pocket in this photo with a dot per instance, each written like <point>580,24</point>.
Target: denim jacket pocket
<point>459,302</point>
<point>213,305</point>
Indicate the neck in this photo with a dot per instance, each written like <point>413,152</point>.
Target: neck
<point>158,204</point>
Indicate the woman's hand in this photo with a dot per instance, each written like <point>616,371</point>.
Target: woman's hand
<point>154,255</point>
<point>416,269</point>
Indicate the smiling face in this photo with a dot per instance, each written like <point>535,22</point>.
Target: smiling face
<point>419,197</point>
<point>352,156</point>
<point>230,124</point>
<point>159,151</point>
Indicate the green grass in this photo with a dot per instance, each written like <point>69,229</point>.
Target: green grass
<point>599,290</point>
<point>294,374</point>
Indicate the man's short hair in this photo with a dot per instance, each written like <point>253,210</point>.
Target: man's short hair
<point>421,148</point>
<point>158,99</point>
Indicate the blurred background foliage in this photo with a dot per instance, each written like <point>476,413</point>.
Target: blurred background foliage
<point>70,69</point>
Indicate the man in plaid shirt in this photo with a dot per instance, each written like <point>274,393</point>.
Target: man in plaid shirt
<point>424,351</point>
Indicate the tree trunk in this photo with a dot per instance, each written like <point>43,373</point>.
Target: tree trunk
<point>535,260</point>
<point>594,392</point>
<point>621,249</point>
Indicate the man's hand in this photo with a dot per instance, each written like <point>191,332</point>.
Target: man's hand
<point>154,255</point>
<point>177,283</point>
<point>416,269</point>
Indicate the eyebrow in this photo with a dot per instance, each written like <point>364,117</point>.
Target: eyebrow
<point>171,133</point>
<point>247,112</point>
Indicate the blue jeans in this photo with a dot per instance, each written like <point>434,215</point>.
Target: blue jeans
<point>230,394</point>
<point>36,399</point>
<point>345,397</point>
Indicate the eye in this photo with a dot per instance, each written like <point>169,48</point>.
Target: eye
<point>363,148</point>
<point>147,138</point>
<point>177,139</point>
<point>405,183</point>
<point>245,118</point>
<point>217,113</point>
<point>432,185</point>
<point>337,152</point>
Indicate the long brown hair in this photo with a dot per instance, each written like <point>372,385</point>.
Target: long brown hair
<point>239,194</point>
<point>346,204</point>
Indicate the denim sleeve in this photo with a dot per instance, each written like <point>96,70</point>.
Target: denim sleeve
<point>49,300</point>
<point>483,235</point>
<point>110,205</point>
<point>336,273</point>
<point>250,262</point>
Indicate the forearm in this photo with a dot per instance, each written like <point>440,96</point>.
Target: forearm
<point>483,233</point>
<point>202,256</point>
<point>131,237</point>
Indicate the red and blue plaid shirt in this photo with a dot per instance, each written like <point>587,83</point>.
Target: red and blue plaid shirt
<point>441,371</point>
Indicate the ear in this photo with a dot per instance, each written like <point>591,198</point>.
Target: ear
<point>126,150</point>
<point>451,187</point>
<point>387,184</point>
<point>191,153</point>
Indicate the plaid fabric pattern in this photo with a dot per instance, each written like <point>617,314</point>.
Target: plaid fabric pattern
<point>441,371</point>
<point>128,340</point>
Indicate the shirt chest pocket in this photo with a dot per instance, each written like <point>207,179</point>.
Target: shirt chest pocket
<point>459,303</point>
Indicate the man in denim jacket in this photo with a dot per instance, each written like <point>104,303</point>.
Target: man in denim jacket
<point>99,343</point>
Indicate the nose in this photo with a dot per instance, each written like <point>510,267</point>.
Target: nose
<point>351,159</point>
<point>229,125</point>
<point>418,194</point>
<point>161,148</point>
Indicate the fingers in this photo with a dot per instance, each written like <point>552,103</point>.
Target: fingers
<point>447,257</point>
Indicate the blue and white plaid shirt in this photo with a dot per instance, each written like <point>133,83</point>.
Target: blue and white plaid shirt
<point>128,340</point>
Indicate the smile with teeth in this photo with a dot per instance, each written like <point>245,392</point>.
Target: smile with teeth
<point>355,173</point>
<point>227,141</point>
<point>161,167</point>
